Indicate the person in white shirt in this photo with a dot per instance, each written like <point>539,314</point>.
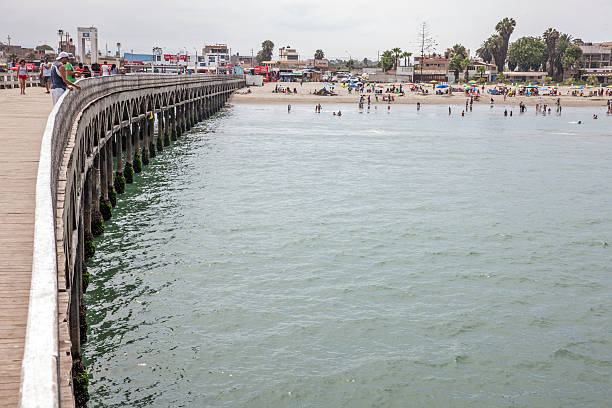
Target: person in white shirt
<point>105,70</point>
<point>45,68</point>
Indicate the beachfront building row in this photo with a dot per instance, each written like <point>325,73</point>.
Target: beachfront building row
<point>597,61</point>
<point>436,67</point>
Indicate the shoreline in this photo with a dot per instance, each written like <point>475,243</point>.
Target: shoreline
<point>264,95</point>
<point>236,99</point>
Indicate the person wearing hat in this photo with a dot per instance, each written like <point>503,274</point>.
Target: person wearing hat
<point>70,68</point>
<point>59,81</point>
<point>45,71</point>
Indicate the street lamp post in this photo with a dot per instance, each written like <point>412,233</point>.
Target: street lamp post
<point>350,59</point>
<point>60,32</point>
<point>156,51</point>
<point>118,54</point>
<point>8,51</point>
<point>195,64</point>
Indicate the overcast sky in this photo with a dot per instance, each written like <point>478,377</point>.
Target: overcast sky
<point>360,28</point>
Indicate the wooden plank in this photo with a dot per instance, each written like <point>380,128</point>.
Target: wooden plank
<point>22,122</point>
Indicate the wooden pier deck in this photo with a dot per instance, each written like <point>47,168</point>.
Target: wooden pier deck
<point>22,122</point>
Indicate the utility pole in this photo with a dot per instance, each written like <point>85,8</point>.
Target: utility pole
<point>426,44</point>
<point>8,50</point>
<point>195,64</point>
<point>118,54</point>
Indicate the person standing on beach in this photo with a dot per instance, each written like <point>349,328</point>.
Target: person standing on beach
<point>22,74</point>
<point>45,68</point>
<point>59,80</point>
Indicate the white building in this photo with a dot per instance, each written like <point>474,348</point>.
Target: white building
<point>216,58</point>
<point>288,54</point>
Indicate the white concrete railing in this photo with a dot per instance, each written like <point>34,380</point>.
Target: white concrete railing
<point>9,80</point>
<point>39,369</point>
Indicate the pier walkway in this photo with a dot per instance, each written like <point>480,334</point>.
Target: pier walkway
<point>22,122</point>
<point>60,172</point>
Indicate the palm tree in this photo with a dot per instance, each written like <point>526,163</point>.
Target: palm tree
<point>550,37</point>
<point>458,49</point>
<point>319,54</point>
<point>485,51</point>
<point>457,64</point>
<point>466,64</point>
<point>563,43</point>
<point>505,28</point>
<point>397,52</point>
<point>386,61</point>
<point>406,55</point>
<point>481,70</point>
<point>495,45</point>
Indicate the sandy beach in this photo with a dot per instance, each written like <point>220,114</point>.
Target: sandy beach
<point>305,95</point>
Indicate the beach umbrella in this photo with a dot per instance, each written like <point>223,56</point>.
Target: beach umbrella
<point>442,86</point>
<point>433,82</point>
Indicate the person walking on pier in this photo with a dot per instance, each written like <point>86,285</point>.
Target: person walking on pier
<point>22,74</point>
<point>59,81</point>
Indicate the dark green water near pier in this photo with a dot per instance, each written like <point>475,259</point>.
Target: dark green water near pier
<point>382,259</point>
